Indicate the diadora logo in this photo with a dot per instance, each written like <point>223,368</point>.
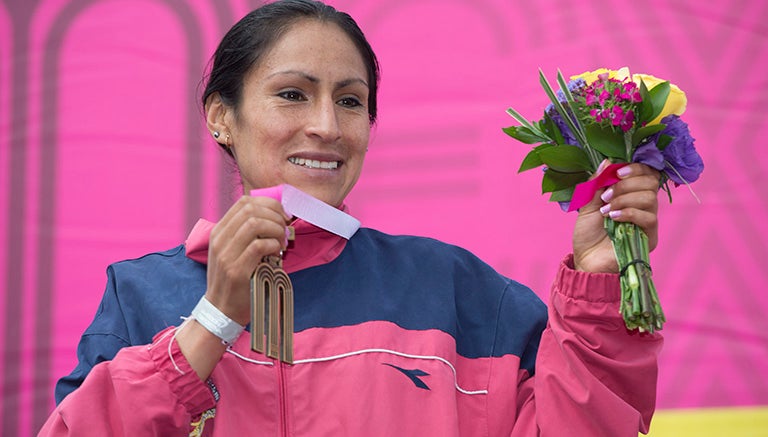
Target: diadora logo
<point>413,375</point>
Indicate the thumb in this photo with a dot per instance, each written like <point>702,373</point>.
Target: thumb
<point>596,201</point>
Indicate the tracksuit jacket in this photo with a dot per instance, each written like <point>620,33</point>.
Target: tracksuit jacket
<point>394,336</point>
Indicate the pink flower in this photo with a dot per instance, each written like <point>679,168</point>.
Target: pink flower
<point>605,95</point>
<point>597,114</point>
<point>627,121</point>
<point>616,115</point>
<point>631,92</point>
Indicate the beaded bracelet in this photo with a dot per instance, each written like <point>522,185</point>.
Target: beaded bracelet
<point>216,322</point>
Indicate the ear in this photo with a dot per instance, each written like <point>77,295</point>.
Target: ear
<point>217,117</point>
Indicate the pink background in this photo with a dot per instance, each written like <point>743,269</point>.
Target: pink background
<point>103,157</point>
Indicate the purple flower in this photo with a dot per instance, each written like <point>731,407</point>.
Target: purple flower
<point>649,155</point>
<point>562,126</point>
<point>681,154</point>
<point>574,86</point>
<point>679,160</point>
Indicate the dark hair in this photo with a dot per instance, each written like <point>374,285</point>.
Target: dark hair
<point>245,43</point>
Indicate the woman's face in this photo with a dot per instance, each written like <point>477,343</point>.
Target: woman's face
<point>303,117</point>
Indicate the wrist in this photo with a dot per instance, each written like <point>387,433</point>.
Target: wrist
<point>216,322</point>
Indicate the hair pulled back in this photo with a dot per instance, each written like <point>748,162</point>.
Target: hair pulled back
<point>247,41</point>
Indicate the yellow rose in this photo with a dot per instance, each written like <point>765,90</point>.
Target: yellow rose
<point>676,101</point>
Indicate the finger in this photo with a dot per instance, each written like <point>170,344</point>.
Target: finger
<point>264,236</point>
<point>646,200</point>
<point>646,220</point>
<point>247,220</point>
<point>638,183</point>
<point>245,208</point>
<point>637,169</point>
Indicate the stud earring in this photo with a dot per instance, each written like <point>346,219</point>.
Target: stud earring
<point>216,134</point>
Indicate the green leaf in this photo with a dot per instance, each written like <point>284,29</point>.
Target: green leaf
<point>645,132</point>
<point>645,106</point>
<point>566,159</point>
<point>564,195</point>
<point>606,141</point>
<point>524,135</point>
<point>564,87</point>
<point>519,117</point>
<point>572,123</point>
<point>524,122</point>
<point>556,181</point>
<point>658,96</point>
<point>552,130</point>
<point>531,160</point>
<point>663,141</point>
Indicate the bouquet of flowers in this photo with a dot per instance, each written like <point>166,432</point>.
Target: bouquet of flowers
<point>607,114</point>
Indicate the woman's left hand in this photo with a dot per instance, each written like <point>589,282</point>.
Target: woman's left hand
<point>632,199</point>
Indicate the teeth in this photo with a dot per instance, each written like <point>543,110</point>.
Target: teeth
<point>313,163</point>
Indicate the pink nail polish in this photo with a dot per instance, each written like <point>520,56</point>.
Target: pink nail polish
<point>614,214</point>
<point>624,171</point>
<point>605,208</point>
<point>607,195</point>
<point>603,165</point>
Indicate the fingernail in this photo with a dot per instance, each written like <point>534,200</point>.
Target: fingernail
<point>290,235</point>
<point>607,195</point>
<point>614,214</point>
<point>623,171</point>
<point>605,208</point>
<point>602,165</point>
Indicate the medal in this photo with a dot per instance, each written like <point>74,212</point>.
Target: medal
<point>272,310</point>
<point>271,289</point>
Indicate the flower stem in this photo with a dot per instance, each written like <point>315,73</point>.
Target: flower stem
<point>640,306</point>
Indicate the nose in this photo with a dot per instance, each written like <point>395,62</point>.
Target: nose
<point>323,121</point>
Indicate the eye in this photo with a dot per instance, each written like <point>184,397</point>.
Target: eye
<point>292,95</point>
<point>350,102</point>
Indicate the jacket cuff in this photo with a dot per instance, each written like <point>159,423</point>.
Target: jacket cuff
<point>192,393</point>
<point>585,286</point>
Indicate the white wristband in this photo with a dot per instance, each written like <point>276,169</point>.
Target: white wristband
<point>216,322</point>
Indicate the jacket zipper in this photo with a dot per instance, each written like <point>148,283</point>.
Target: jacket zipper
<point>282,398</point>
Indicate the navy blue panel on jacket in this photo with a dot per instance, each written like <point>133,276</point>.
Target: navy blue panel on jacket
<point>417,283</point>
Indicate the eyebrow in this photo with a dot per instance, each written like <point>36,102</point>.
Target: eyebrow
<point>313,79</point>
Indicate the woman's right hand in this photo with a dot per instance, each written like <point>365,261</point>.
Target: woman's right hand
<point>252,228</point>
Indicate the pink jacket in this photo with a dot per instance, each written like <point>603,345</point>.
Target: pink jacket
<point>375,378</point>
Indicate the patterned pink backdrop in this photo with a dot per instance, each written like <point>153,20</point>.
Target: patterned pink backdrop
<point>103,157</point>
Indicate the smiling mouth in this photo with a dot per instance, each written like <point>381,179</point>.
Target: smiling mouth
<point>313,163</point>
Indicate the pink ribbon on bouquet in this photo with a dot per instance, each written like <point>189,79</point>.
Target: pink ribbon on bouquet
<point>585,191</point>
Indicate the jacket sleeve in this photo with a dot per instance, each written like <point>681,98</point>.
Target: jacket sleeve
<point>106,335</point>
<point>146,390</point>
<point>593,376</point>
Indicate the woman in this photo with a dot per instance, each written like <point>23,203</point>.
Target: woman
<point>393,335</point>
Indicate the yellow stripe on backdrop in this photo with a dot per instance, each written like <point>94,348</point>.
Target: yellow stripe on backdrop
<point>711,422</point>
